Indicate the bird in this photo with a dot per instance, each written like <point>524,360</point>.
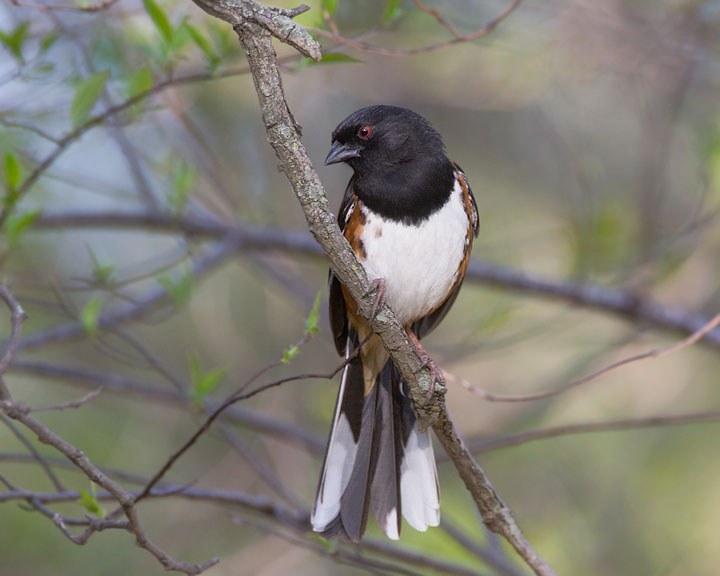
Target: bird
<point>410,216</point>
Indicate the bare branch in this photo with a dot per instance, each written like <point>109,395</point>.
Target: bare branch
<point>148,392</point>
<point>36,456</point>
<point>459,38</point>
<point>126,500</point>
<point>341,555</point>
<point>71,137</point>
<point>30,128</point>
<point>59,7</point>
<point>622,303</point>
<point>276,21</point>
<point>655,353</point>
<point>490,556</point>
<point>234,398</point>
<point>298,521</point>
<point>72,404</point>
<point>21,413</point>
<point>495,513</point>
<point>143,306</point>
<point>486,445</point>
<point>95,525</point>
<point>18,317</point>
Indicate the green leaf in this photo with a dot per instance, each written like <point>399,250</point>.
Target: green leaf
<point>140,81</point>
<point>328,58</point>
<point>289,354</point>
<point>86,94</point>
<point>203,383</point>
<point>102,273</point>
<point>223,39</point>
<point>16,224</point>
<point>332,57</point>
<point>330,5</point>
<point>178,288</point>
<point>91,503</point>
<point>183,181</point>
<point>12,170</point>
<point>181,37</point>
<point>15,39</point>
<point>203,43</point>
<point>42,69</point>
<point>160,19</point>
<point>90,315</point>
<point>392,11</point>
<point>311,324</point>
<point>48,40</point>
<point>329,544</point>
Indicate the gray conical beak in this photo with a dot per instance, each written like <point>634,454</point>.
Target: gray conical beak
<point>340,153</point>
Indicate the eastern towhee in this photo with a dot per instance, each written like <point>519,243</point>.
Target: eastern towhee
<point>410,216</point>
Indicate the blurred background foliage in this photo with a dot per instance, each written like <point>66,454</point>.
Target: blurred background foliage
<point>590,132</point>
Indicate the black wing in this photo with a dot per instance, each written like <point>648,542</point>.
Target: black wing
<point>338,313</point>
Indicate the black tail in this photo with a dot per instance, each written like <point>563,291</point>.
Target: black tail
<point>375,454</point>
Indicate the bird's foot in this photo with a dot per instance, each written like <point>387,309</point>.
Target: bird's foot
<point>435,372</point>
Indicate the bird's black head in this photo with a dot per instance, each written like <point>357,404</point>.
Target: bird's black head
<point>401,170</point>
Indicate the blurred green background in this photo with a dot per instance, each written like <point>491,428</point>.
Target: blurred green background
<point>590,132</point>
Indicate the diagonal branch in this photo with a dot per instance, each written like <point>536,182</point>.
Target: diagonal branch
<point>284,137</point>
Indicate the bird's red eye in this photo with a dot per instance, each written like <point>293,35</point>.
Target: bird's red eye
<point>364,132</point>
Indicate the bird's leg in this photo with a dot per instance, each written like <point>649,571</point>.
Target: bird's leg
<point>427,361</point>
<point>378,286</point>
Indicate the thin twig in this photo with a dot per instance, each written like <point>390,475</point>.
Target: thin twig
<point>60,7</point>
<point>655,353</point>
<point>126,500</point>
<point>148,392</point>
<point>234,398</point>
<point>341,555</point>
<point>18,317</point>
<point>621,303</point>
<point>297,521</point>
<point>36,456</point>
<point>21,413</point>
<point>149,302</point>
<point>71,404</point>
<point>488,555</point>
<point>486,445</point>
<point>74,135</point>
<point>30,128</point>
<point>496,515</point>
<point>457,37</point>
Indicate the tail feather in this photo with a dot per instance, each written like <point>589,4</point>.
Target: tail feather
<point>375,455</point>
<point>342,447</point>
<point>419,487</point>
<point>385,487</point>
<point>356,499</point>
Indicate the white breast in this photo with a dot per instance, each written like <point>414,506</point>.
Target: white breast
<point>419,263</point>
